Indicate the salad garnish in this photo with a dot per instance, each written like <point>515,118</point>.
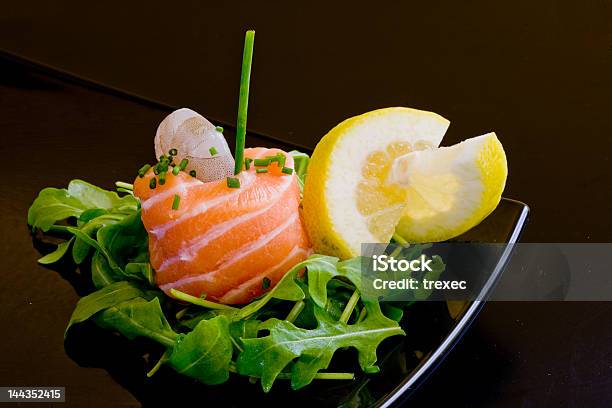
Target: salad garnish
<point>166,251</point>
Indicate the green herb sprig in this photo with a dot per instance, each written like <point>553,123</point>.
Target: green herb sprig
<point>243,101</point>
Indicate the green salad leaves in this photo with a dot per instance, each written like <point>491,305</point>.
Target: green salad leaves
<point>292,332</point>
<point>103,223</point>
<point>267,357</point>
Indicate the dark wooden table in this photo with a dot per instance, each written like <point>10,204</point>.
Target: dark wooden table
<point>537,73</point>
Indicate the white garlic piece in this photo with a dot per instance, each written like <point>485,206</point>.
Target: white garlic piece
<point>194,137</point>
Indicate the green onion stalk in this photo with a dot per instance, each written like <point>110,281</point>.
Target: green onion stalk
<point>243,102</point>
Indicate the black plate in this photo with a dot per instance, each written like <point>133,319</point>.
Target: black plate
<point>57,127</point>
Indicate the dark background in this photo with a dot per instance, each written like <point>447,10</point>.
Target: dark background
<point>539,74</point>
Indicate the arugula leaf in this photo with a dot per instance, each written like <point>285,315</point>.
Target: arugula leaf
<point>104,298</point>
<point>336,301</point>
<point>81,249</point>
<point>287,288</point>
<point>437,267</point>
<point>138,317</point>
<point>57,254</point>
<point>191,320</point>
<point>205,353</point>
<point>392,312</point>
<point>124,244</point>
<point>101,273</point>
<point>140,271</point>
<point>95,197</point>
<point>319,278</point>
<point>126,239</point>
<point>266,357</point>
<point>244,329</point>
<point>90,214</point>
<point>53,204</point>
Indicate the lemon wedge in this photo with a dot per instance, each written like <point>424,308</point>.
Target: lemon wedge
<point>348,199</point>
<point>450,189</point>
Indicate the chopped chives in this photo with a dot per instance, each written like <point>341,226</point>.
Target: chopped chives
<point>219,129</point>
<point>142,171</point>
<point>212,151</point>
<point>127,186</point>
<point>173,152</point>
<point>281,160</point>
<point>175,170</point>
<point>156,170</point>
<point>265,284</point>
<point>125,190</point>
<point>247,163</point>
<point>243,101</point>
<point>176,201</point>
<point>233,182</point>
<point>287,170</point>
<point>162,178</point>
<point>261,162</point>
<point>192,173</point>
<point>152,183</point>
<point>183,164</point>
<point>261,170</point>
<point>162,166</point>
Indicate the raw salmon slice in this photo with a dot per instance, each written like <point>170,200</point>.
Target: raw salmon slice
<point>222,242</point>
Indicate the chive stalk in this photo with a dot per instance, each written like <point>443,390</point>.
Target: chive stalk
<point>261,162</point>
<point>233,182</point>
<point>362,315</point>
<point>350,306</point>
<point>143,170</point>
<point>125,190</point>
<point>402,244</point>
<point>175,170</point>
<point>287,376</point>
<point>322,376</point>
<point>295,311</point>
<point>159,363</point>
<point>243,101</point>
<point>183,164</point>
<point>197,301</point>
<point>399,239</point>
<point>179,315</point>
<point>261,170</point>
<point>192,173</point>
<point>121,184</point>
<point>176,201</point>
<point>287,170</point>
<point>212,151</point>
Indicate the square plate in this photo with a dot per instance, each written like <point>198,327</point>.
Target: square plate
<point>78,122</point>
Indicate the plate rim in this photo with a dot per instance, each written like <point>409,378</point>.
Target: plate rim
<point>426,368</point>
